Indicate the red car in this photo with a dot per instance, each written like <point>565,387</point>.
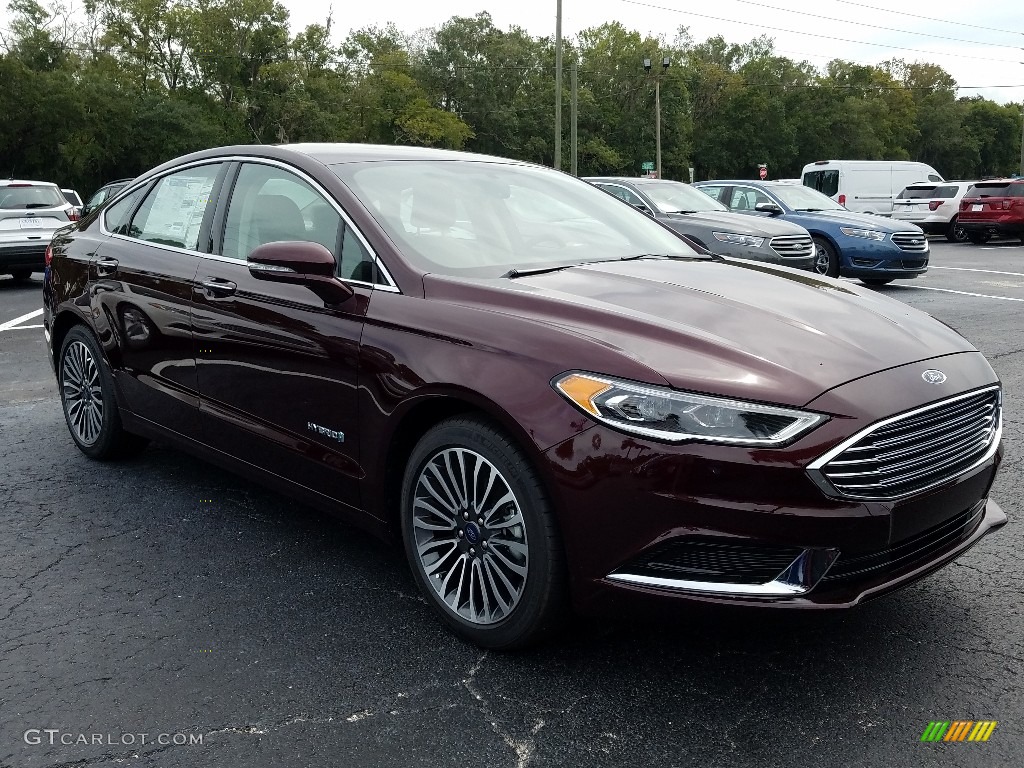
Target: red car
<point>993,208</point>
<point>549,397</point>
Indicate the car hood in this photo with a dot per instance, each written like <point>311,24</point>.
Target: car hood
<point>738,223</point>
<point>849,218</point>
<point>736,328</point>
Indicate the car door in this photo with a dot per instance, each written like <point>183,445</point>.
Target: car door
<point>278,370</point>
<point>142,276</point>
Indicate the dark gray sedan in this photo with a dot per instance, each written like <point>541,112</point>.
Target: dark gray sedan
<point>711,224</point>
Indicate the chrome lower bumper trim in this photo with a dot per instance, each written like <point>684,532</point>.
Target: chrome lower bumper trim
<point>799,578</point>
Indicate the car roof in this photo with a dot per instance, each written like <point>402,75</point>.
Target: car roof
<point>333,154</point>
<point>746,181</point>
<point>639,180</point>
<point>21,182</point>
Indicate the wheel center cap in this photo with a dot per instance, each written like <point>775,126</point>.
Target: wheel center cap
<point>472,533</point>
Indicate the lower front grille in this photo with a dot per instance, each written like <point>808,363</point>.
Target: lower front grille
<point>793,246</point>
<point>714,560</point>
<point>921,547</point>
<point>915,264</point>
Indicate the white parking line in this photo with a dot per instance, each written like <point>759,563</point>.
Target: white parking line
<point>986,271</point>
<point>962,293</point>
<point>18,320</point>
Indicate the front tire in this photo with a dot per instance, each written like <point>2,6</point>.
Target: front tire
<point>826,258</point>
<point>480,536</point>
<point>979,237</point>
<point>88,400</point>
<point>956,233</point>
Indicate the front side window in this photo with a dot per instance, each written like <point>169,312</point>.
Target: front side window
<point>172,213</point>
<point>747,199</point>
<point>622,193</point>
<point>484,219</point>
<point>826,182</point>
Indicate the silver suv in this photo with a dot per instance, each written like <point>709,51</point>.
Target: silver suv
<point>933,206</point>
<point>30,212</point>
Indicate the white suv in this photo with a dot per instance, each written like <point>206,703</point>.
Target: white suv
<point>933,206</point>
<point>30,212</point>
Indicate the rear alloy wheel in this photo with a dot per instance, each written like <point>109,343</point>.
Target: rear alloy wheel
<point>22,274</point>
<point>480,536</point>
<point>956,233</point>
<point>87,396</point>
<point>826,259</point>
<point>979,237</point>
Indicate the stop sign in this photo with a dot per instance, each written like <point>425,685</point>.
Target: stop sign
<point>763,172</point>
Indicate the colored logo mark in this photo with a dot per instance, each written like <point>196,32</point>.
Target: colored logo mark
<point>959,730</point>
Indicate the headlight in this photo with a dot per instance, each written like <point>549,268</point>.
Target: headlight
<point>869,234</point>
<point>730,237</point>
<point>667,414</point>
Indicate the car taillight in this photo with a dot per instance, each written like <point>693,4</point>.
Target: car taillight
<point>48,256</point>
<point>842,199</point>
<point>934,205</point>
<point>1007,205</point>
<point>73,215</point>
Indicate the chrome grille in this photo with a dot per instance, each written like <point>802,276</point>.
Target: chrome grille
<point>910,241</point>
<point>915,451</point>
<point>793,246</point>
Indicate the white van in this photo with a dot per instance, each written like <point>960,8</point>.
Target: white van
<point>867,186</point>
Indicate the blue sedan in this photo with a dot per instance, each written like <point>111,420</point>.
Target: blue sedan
<point>873,248</point>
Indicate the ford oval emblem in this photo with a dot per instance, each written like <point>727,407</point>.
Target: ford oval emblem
<point>933,377</point>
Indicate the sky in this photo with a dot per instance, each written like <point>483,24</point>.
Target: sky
<point>986,49</point>
<point>989,58</point>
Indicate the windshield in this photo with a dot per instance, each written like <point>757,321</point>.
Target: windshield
<point>805,198</point>
<point>30,196</point>
<point>482,219</point>
<point>672,196</point>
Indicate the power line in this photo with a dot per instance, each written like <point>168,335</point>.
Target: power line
<point>873,26</point>
<point>814,34</point>
<point>928,18</point>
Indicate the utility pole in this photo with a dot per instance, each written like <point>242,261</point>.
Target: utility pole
<point>1022,137</point>
<point>558,85</point>
<point>574,111</point>
<point>665,62</point>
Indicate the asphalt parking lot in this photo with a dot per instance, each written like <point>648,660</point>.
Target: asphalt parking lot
<point>163,596</point>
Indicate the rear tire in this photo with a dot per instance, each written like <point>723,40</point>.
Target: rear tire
<point>480,536</point>
<point>979,237</point>
<point>21,274</point>
<point>826,258</point>
<point>956,233</point>
<point>88,400</point>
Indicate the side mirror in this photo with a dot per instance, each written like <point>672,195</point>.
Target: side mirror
<point>300,263</point>
<point>643,208</point>
<point>771,208</point>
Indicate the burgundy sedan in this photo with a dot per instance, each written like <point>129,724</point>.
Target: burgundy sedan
<point>551,398</point>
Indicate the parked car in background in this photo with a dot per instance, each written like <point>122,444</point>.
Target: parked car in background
<point>993,208</point>
<point>789,181</point>
<point>30,212</point>
<point>74,198</point>
<point>547,410</point>
<point>873,248</point>
<point>103,194</point>
<point>866,186</point>
<point>934,207</point>
<point>710,224</point>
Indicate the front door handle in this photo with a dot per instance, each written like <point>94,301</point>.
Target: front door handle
<point>219,288</point>
<point>106,266</point>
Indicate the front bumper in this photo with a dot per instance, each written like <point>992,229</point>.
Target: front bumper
<point>654,524</point>
<point>880,260</point>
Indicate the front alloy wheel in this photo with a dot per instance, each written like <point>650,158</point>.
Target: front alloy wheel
<point>826,259</point>
<point>480,536</point>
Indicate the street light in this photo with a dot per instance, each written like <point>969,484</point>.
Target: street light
<point>665,62</point>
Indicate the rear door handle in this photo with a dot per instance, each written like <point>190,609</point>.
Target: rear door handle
<point>106,266</point>
<point>216,287</point>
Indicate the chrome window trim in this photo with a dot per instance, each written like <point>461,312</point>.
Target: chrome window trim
<point>799,578</point>
<point>390,286</point>
<point>814,469</point>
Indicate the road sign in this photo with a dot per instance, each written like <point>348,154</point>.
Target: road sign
<point>763,173</point>
<point>648,165</point>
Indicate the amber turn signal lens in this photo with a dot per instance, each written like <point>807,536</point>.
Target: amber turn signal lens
<point>582,391</point>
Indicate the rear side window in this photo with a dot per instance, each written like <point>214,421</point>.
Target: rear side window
<point>172,213</point>
<point>115,218</point>
<point>30,196</point>
<point>826,182</point>
<point>1016,190</point>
